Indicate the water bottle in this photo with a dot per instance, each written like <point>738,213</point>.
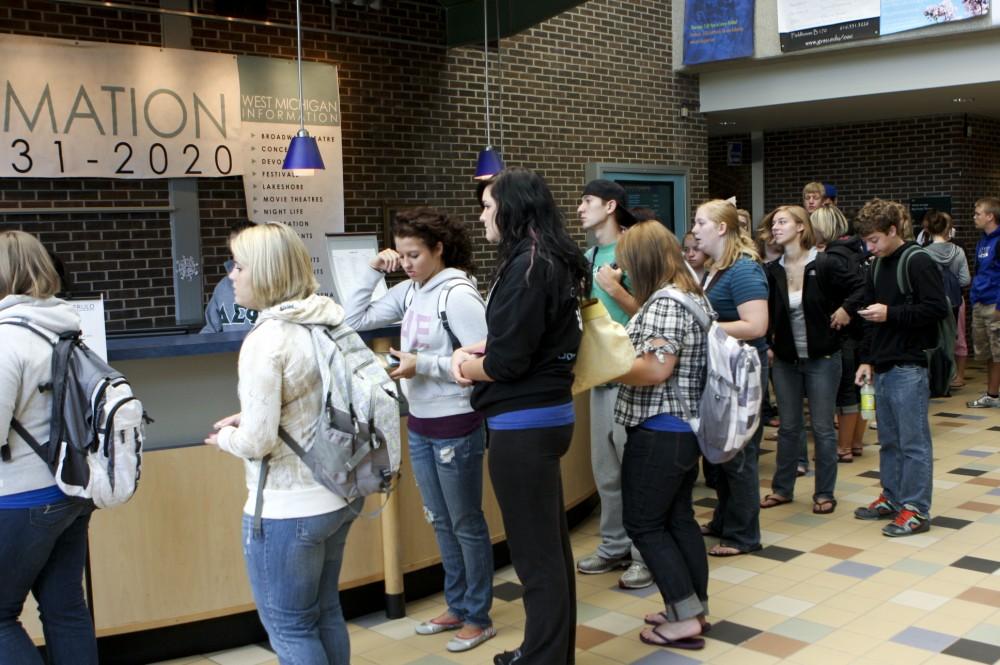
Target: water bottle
<point>868,401</point>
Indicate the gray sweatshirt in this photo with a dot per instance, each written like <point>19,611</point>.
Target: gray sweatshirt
<point>432,392</point>
<point>951,257</point>
<point>222,313</point>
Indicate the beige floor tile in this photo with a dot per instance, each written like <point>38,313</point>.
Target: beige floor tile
<point>890,652</point>
<point>742,656</point>
<point>814,654</point>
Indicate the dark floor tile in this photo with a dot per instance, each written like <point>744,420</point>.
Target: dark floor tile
<point>778,553</point>
<point>945,414</point>
<point>949,522</point>
<point>764,451</point>
<point>707,502</point>
<point>732,633</point>
<point>870,474</point>
<point>980,652</point>
<point>508,591</point>
<point>995,428</point>
<point>977,564</point>
<point>961,471</point>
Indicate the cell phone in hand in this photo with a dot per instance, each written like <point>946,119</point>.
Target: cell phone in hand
<point>391,360</point>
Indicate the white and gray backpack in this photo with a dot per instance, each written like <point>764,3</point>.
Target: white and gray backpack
<point>96,427</point>
<point>729,408</point>
<point>355,449</point>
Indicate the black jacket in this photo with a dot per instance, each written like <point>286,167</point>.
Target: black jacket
<point>827,284</point>
<point>911,323</point>
<point>534,332</point>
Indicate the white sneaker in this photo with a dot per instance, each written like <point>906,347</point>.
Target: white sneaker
<point>984,401</point>
<point>636,577</point>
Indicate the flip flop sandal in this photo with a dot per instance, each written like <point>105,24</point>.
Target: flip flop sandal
<point>857,452</point>
<point>690,643</point>
<point>819,509</point>
<point>845,458</point>
<point>705,625</point>
<point>735,551</point>
<point>773,500</point>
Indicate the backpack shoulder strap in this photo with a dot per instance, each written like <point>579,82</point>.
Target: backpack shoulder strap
<point>703,318</point>
<point>903,269</point>
<point>442,305</point>
<point>408,296</point>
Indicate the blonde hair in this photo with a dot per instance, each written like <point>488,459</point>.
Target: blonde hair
<point>799,216</point>
<point>738,242</point>
<point>279,264</point>
<point>742,214</point>
<point>828,224</point>
<point>25,267</point>
<point>652,257</point>
<point>813,188</point>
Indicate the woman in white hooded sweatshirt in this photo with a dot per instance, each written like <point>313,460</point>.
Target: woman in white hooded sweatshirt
<point>441,310</point>
<point>293,560</point>
<point>43,534</point>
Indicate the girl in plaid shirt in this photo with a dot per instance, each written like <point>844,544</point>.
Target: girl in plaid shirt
<point>660,463</point>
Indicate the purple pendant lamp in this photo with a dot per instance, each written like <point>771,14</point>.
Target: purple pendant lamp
<point>490,162</point>
<point>303,157</point>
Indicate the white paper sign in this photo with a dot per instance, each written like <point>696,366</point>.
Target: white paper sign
<point>78,109</point>
<point>91,311</point>
<point>349,256</point>
<point>803,14</point>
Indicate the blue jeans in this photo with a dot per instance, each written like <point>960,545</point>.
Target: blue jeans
<point>294,571</point>
<point>43,551</point>
<point>905,450</point>
<point>817,379</point>
<point>449,474</point>
<point>737,516</point>
<point>658,474</point>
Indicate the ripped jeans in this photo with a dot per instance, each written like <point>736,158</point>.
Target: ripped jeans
<point>449,474</point>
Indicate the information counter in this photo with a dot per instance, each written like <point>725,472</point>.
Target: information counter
<point>172,555</point>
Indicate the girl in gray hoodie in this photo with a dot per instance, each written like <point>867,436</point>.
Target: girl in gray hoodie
<point>441,310</point>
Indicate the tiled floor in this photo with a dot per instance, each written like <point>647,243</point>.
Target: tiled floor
<point>823,591</point>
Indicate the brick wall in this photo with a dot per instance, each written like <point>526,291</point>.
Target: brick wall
<point>593,84</point>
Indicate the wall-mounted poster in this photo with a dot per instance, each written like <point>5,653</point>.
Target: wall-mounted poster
<point>717,30</point>
<point>269,102</point>
<point>805,24</point>
<point>900,15</point>
<point>89,110</point>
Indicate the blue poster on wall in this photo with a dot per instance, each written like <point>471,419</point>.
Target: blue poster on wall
<point>717,30</point>
<point>900,15</point>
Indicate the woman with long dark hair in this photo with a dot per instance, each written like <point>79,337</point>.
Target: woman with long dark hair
<point>523,375</point>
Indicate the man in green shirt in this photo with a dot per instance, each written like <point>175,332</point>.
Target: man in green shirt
<point>602,211</point>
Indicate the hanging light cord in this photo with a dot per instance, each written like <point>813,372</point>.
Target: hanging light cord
<point>486,67</point>
<point>500,77</point>
<point>298,41</point>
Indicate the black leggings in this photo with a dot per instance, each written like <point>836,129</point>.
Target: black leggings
<point>524,468</point>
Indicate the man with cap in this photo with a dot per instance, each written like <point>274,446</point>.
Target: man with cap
<point>829,195</point>
<point>604,213</point>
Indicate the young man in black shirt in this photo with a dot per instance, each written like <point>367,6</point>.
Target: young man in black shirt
<point>900,323</point>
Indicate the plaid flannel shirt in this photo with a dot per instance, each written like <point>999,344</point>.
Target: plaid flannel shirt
<point>666,320</point>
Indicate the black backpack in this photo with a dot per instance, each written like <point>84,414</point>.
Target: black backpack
<point>96,426</point>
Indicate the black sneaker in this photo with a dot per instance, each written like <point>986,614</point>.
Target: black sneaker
<point>907,523</point>
<point>507,657</point>
<point>879,509</point>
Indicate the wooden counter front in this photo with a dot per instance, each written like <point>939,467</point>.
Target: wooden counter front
<point>173,554</point>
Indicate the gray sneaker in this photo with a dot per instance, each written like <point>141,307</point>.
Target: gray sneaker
<point>636,577</point>
<point>984,401</point>
<point>595,564</point>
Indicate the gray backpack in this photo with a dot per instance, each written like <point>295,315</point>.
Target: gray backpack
<point>729,409</point>
<point>355,449</point>
<point>96,427</point>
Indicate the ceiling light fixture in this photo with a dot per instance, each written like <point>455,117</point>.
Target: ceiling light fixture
<point>303,157</point>
<point>490,162</point>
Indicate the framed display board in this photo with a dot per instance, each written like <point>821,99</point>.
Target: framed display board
<point>349,255</point>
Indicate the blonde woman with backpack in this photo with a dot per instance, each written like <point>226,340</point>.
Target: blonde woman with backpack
<point>294,554</point>
<point>660,462</point>
<point>43,533</point>
<point>737,288</point>
<point>440,310</point>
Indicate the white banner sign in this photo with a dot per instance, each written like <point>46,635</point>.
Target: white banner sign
<point>74,109</point>
<point>91,311</point>
<point>312,205</point>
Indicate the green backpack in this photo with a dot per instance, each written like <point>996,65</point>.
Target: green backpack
<point>940,358</point>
